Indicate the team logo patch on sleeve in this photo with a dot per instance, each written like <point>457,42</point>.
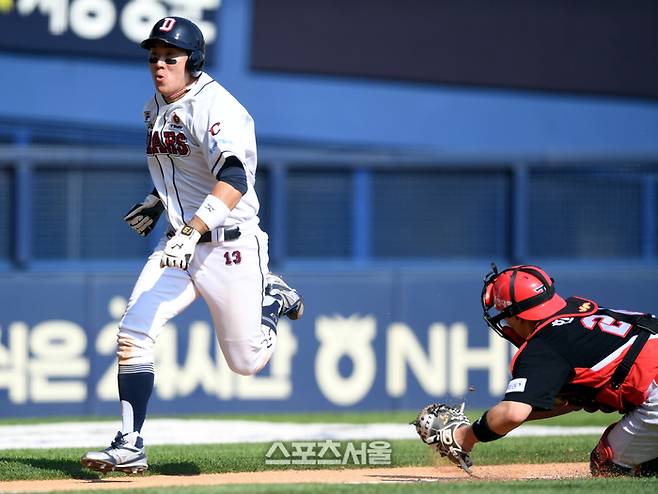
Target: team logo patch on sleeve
<point>516,385</point>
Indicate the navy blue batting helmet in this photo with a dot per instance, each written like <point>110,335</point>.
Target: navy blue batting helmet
<point>184,34</point>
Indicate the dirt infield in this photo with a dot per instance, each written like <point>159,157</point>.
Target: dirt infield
<point>345,476</point>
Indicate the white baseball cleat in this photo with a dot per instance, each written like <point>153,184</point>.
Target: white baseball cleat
<point>125,454</point>
<point>292,303</point>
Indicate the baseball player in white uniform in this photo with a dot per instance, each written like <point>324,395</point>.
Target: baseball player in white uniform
<point>201,150</point>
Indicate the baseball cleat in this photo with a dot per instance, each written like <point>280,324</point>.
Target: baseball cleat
<point>125,454</point>
<point>292,303</point>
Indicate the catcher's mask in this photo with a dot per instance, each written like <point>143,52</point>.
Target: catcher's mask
<point>184,34</point>
<point>523,291</point>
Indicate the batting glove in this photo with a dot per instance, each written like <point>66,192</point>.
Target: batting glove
<point>179,251</point>
<point>143,217</point>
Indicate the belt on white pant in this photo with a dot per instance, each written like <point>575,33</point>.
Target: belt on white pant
<point>229,234</point>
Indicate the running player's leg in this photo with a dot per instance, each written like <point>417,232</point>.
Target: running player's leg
<point>159,295</point>
<point>231,278</point>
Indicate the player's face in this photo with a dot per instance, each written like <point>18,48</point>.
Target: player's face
<point>522,327</point>
<point>167,66</point>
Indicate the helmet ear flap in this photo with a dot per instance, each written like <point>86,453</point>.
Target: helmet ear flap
<point>487,295</point>
<point>195,63</point>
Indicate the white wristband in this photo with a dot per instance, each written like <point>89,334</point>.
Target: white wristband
<point>213,212</point>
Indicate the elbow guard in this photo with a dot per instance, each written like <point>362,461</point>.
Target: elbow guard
<point>233,173</point>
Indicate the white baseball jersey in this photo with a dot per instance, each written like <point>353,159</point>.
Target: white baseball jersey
<point>189,140</point>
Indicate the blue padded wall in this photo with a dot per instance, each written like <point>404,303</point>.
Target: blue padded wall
<point>319,213</point>
<point>78,214</point>
<point>5,213</point>
<point>585,215</point>
<point>440,214</point>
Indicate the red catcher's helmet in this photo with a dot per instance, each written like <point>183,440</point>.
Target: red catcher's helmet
<point>523,291</point>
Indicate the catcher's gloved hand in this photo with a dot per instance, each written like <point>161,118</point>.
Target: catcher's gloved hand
<point>143,217</point>
<point>180,248</point>
<point>436,425</point>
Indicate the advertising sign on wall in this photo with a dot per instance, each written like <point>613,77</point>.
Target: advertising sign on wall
<point>377,340</point>
<point>350,350</point>
<point>95,27</point>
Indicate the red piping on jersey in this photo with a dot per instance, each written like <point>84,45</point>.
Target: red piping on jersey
<point>559,315</point>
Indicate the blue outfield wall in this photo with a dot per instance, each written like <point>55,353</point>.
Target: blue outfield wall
<point>370,339</point>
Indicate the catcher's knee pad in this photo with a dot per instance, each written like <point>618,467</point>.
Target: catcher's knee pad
<point>134,348</point>
<point>600,459</point>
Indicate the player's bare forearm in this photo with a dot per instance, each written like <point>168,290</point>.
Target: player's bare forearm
<point>198,225</point>
<point>507,416</point>
<point>225,193</point>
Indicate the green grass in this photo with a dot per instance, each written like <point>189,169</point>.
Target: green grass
<point>361,417</point>
<point>195,459</point>
<point>39,464</point>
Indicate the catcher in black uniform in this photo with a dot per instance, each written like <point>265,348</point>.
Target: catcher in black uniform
<point>572,355</point>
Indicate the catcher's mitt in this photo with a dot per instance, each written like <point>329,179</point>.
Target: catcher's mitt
<point>436,425</point>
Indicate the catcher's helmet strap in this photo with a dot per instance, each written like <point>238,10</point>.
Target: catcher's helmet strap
<point>523,305</point>
<point>529,303</point>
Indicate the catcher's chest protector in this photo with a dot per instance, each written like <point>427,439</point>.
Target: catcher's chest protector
<point>592,342</point>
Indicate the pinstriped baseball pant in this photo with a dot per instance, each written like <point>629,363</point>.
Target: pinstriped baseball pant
<point>233,288</point>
